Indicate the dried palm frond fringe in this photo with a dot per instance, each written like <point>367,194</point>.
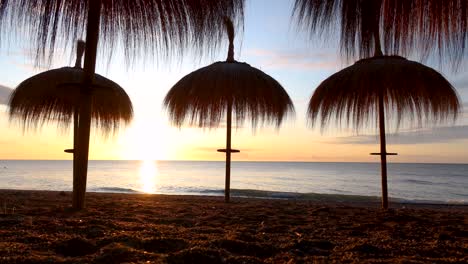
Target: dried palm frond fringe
<point>201,98</point>
<point>53,97</point>
<point>142,27</point>
<point>410,89</point>
<point>408,26</point>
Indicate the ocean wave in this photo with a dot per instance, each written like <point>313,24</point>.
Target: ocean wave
<point>435,202</point>
<point>114,190</point>
<point>262,194</point>
<point>419,181</point>
<point>302,196</point>
<point>251,193</point>
<point>325,197</point>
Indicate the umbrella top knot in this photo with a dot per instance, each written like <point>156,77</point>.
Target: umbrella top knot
<point>383,57</point>
<point>239,63</point>
<point>230,33</point>
<point>80,48</point>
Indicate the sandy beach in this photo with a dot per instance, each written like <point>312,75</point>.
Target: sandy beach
<point>37,226</point>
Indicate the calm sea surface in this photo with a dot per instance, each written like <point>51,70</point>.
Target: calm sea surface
<point>440,183</point>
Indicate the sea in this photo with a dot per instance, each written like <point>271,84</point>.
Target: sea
<point>407,182</point>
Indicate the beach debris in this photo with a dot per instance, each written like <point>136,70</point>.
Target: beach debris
<point>239,247</point>
<point>6,210</point>
<point>365,248</point>
<point>196,255</point>
<point>164,245</point>
<point>321,210</point>
<point>11,219</point>
<point>120,253</point>
<point>244,260</point>
<point>75,247</point>
<point>314,247</point>
<point>95,231</point>
<point>28,220</point>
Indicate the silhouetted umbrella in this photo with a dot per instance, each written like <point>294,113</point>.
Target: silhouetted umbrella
<point>205,96</point>
<point>387,83</point>
<point>375,85</point>
<point>144,27</point>
<point>55,95</point>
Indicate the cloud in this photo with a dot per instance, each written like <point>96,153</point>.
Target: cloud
<point>4,94</point>
<point>461,83</point>
<point>463,117</point>
<point>24,59</point>
<point>424,136</point>
<point>296,59</point>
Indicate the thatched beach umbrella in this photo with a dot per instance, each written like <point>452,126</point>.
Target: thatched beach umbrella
<point>373,86</point>
<point>384,85</point>
<point>142,26</point>
<point>55,95</point>
<point>222,89</point>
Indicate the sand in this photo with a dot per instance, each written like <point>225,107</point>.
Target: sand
<point>37,226</point>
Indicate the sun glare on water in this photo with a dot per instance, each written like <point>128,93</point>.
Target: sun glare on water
<point>148,176</point>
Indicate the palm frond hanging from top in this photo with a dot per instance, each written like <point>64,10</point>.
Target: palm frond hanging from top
<point>409,26</point>
<point>141,27</point>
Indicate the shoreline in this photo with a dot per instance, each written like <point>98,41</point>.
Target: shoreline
<point>277,195</point>
<point>203,229</point>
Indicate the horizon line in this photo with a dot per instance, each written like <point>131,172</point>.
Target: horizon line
<point>256,161</point>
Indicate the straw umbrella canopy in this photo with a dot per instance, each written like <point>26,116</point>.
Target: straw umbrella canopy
<point>165,27</point>
<point>55,95</point>
<point>207,95</point>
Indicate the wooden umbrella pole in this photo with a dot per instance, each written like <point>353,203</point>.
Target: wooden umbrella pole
<point>227,189</point>
<point>381,106</point>
<point>80,48</point>
<point>230,58</point>
<point>92,36</point>
<point>75,147</point>
<point>383,151</point>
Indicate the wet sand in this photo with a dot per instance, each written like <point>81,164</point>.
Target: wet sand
<point>37,226</point>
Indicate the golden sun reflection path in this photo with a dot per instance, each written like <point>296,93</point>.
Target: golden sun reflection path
<point>149,178</point>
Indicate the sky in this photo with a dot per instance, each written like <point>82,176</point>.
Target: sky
<point>269,42</point>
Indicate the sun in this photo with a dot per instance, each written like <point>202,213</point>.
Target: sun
<point>147,140</point>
